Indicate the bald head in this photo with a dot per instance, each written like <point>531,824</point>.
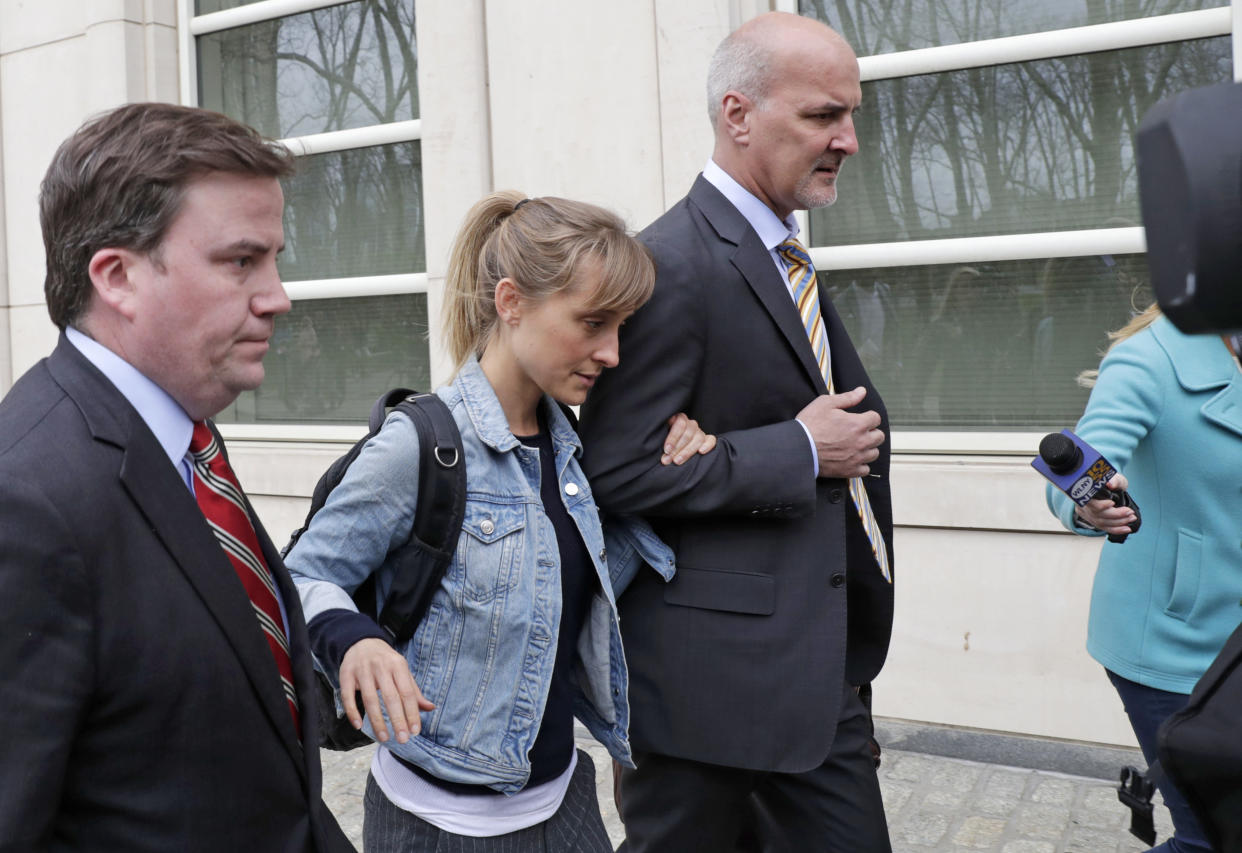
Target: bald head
<point>783,92</point>
<point>760,50</point>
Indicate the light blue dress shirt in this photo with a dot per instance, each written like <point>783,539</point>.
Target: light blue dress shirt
<point>162,414</point>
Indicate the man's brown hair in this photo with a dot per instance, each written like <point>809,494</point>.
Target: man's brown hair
<point>119,180</point>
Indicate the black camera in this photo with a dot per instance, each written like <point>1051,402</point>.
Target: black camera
<point>1190,191</point>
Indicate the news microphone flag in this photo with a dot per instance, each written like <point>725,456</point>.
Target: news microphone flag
<point>1073,466</point>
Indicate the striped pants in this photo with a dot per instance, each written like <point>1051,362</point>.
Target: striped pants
<point>575,828</point>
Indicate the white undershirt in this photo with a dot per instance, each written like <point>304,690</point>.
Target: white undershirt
<point>475,815</point>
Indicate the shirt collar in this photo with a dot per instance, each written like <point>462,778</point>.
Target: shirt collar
<point>488,418</point>
<point>772,230</point>
<point>161,413</point>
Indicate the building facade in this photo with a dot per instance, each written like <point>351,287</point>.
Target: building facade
<point>986,238</point>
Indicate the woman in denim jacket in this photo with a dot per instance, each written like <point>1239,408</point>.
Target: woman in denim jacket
<point>522,633</point>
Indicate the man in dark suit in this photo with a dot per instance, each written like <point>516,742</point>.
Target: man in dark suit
<point>746,669</point>
<point>154,669</point>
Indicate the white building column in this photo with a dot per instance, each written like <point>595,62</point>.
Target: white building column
<point>58,66</point>
<point>456,139</point>
<point>574,102</point>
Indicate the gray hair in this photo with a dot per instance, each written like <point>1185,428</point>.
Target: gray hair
<point>739,64</point>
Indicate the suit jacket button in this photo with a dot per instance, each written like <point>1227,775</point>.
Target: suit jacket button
<point>834,496</point>
<point>837,580</point>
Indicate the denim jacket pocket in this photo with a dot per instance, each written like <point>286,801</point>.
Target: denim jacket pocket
<point>487,549</point>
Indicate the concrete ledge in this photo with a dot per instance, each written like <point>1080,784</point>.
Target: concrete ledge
<point>1076,758</point>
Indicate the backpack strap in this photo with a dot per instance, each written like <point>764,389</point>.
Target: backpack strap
<point>379,412</point>
<point>441,508</point>
<point>336,472</point>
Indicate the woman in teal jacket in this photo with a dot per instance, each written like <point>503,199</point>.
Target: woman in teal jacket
<point>1166,411</point>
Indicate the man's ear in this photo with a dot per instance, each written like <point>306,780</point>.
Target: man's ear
<point>508,302</point>
<point>110,271</point>
<point>735,112</point>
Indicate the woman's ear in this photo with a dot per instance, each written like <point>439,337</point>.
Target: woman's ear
<point>508,302</point>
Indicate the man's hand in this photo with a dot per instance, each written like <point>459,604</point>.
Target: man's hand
<point>1103,514</point>
<point>375,669</point>
<point>846,442</point>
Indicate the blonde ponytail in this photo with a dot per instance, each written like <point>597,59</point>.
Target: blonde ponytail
<point>469,301</point>
<point>541,245</point>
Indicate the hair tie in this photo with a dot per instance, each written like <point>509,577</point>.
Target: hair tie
<point>518,206</point>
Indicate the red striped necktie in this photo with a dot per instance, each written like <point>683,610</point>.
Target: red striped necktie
<point>220,498</point>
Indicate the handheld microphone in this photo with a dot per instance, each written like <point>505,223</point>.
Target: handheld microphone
<point>1079,470</point>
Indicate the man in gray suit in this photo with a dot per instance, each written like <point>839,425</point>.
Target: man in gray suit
<point>155,673</point>
<point>750,668</point>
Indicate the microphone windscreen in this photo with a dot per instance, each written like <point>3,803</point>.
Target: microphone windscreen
<point>1061,454</point>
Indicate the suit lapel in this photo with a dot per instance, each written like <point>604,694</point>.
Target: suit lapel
<point>174,518</point>
<point>847,368</point>
<point>754,262</point>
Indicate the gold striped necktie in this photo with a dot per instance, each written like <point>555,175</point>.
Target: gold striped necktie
<point>806,295</point>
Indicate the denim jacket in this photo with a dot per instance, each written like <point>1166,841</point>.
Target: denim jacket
<point>484,652</point>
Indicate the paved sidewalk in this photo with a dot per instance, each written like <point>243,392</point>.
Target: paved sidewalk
<point>933,804</point>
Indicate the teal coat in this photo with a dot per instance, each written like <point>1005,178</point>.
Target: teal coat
<point>1167,412</point>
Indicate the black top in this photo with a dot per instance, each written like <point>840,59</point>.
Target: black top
<point>554,747</point>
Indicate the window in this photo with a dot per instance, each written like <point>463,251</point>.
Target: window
<point>988,235</point>
<point>338,82</point>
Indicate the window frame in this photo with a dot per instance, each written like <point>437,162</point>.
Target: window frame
<point>1225,20</point>
<point>189,27</point>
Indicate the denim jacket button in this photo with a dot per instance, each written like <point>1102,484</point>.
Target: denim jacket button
<point>487,527</point>
<point>571,489</point>
<point>603,555</point>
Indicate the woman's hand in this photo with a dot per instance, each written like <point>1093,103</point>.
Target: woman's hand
<point>685,438</point>
<point>1103,514</point>
<point>374,669</point>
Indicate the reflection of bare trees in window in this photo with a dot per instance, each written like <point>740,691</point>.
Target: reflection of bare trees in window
<point>354,212</point>
<point>1035,146</point>
<point>335,68</point>
<point>1026,147</point>
<point>988,345</point>
<point>348,66</point>
<point>331,358</point>
<point>885,26</point>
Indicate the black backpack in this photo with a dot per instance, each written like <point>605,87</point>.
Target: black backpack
<point>1201,748</point>
<point>1200,751</point>
<point>421,561</point>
